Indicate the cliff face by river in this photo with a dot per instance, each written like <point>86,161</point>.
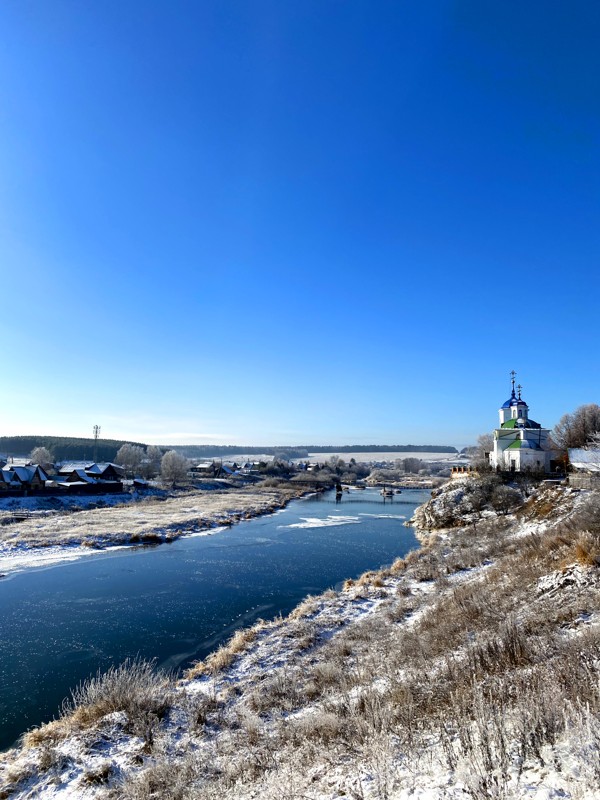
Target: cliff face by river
<point>468,669</point>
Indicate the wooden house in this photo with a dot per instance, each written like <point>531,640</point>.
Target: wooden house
<point>24,478</point>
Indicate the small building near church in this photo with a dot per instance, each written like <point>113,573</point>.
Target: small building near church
<point>584,463</point>
<point>520,443</point>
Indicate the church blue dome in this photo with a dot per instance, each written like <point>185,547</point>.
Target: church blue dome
<point>514,401</point>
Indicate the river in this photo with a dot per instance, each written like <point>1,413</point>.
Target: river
<point>175,603</point>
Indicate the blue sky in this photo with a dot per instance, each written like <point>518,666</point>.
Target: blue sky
<point>323,221</point>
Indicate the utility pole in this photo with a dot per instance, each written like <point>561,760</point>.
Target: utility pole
<point>96,436</point>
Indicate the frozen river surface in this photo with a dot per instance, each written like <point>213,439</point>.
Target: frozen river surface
<point>178,602</point>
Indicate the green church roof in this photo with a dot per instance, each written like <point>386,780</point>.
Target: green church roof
<point>523,443</point>
<point>512,423</point>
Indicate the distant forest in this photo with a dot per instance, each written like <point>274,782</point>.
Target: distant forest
<point>63,448</point>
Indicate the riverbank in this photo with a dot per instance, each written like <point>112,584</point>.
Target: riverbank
<point>468,669</point>
<point>47,537</point>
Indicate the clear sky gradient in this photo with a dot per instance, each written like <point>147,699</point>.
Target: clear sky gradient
<point>318,221</point>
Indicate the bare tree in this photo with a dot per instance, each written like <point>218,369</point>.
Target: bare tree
<point>41,456</point>
<point>505,498</point>
<point>484,446</point>
<point>173,468</point>
<point>578,428</point>
<point>130,457</point>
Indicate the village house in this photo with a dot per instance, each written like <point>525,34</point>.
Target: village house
<point>204,468</point>
<point>19,476</point>
<point>22,478</point>
<point>9,482</point>
<point>584,463</point>
<point>106,471</point>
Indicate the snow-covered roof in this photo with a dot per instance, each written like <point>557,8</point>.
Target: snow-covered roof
<point>82,476</point>
<point>587,459</point>
<point>24,474</point>
<point>70,466</point>
<point>94,469</point>
<point>88,466</point>
<point>100,469</point>
<point>10,477</point>
<point>20,461</point>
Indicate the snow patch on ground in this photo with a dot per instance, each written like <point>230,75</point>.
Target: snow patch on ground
<point>575,576</point>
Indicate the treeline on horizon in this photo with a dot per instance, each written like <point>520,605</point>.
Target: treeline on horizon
<point>67,448</point>
<point>63,448</point>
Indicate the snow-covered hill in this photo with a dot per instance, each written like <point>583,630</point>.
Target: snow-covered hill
<point>470,669</point>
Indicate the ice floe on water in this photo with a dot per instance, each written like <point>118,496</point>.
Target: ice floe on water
<point>208,532</point>
<point>338,519</point>
<point>323,522</point>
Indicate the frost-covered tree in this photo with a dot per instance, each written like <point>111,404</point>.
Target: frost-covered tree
<point>150,466</point>
<point>578,428</point>
<point>173,468</point>
<point>154,455</point>
<point>41,456</point>
<point>130,457</point>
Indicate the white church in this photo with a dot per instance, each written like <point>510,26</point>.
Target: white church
<point>520,443</point>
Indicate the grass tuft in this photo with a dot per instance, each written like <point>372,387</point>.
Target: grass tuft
<point>133,687</point>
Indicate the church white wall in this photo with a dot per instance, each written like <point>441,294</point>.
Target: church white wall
<point>506,458</point>
<point>504,414</point>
